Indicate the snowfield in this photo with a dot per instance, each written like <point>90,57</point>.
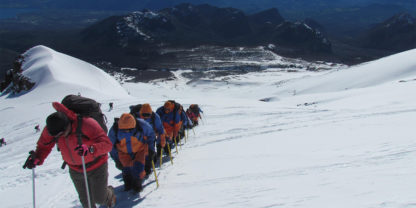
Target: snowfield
<point>341,138</point>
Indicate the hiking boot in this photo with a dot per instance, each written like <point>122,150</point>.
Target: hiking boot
<point>118,165</point>
<point>138,186</point>
<point>166,150</point>
<point>112,202</point>
<point>127,187</point>
<point>127,182</point>
<point>148,168</point>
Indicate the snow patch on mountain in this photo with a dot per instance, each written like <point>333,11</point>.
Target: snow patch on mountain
<point>53,71</point>
<point>386,70</point>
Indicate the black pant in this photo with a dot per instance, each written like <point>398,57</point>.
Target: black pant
<point>159,151</point>
<point>97,182</point>
<point>148,162</point>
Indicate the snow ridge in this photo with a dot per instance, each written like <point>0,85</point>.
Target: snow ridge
<point>51,69</point>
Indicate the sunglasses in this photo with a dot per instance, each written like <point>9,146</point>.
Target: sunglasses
<point>146,115</point>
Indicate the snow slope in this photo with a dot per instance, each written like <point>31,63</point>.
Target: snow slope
<point>53,71</point>
<point>343,139</point>
<point>388,69</point>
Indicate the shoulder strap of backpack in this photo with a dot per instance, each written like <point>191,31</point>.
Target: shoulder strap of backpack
<point>175,108</point>
<point>153,119</point>
<point>138,128</point>
<point>78,131</point>
<point>115,126</point>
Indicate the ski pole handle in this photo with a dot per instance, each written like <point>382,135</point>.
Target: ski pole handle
<point>63,165</point>
<point>31,154</point>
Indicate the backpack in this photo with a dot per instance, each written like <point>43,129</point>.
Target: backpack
<point>115,127</point>
<point>86,107</point>
<point>176,108</point>
<point>128,145</point>
<point>194,108</point>
<point>135,110</point>
<point>83,107</point>
<point>177,105</point>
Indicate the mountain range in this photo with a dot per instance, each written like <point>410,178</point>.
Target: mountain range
<point>145,33</point>
<point>142,39</point>
<point>154,38</point>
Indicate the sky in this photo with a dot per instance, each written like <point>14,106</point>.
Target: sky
<point>334,138</point>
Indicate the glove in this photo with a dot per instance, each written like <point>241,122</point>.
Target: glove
<point>31,161</point>
<point>82,150</point>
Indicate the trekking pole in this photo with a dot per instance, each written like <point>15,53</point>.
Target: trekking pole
<point>161,156</point>
<point>33,187</point>
<point>170,154</point>
<point>79,135</point>
<point>180,143</point>
<point>186,134</point>
<point>154,171</point>
<point>86,181</point>
<point>176,146</point>
<point>28,160</point>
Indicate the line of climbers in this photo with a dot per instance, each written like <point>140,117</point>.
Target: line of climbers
<point>79,130</point>
<point>136,134</point>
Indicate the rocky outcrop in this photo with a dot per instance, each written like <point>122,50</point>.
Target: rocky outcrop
<point>14,81</point>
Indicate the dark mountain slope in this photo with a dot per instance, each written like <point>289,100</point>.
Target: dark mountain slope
<point>397,34</point>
